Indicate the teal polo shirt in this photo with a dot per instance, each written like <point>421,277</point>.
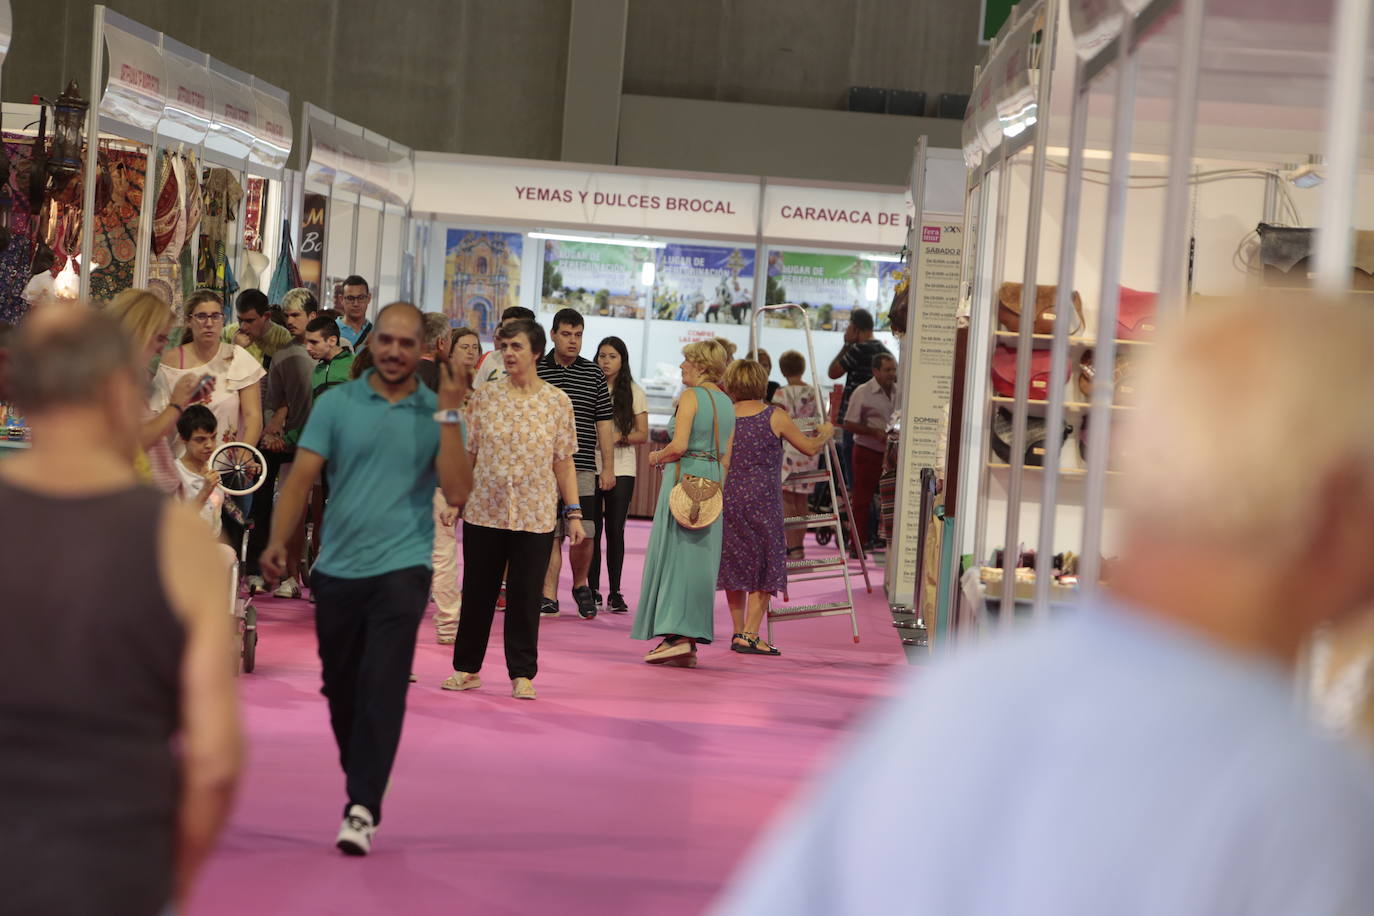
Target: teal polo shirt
<point>380,516</point>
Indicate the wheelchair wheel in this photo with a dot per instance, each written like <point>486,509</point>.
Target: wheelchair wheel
<point>250,638</point>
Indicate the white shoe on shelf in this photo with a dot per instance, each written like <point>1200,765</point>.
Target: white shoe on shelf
<point>355,836</point>
<point>257,585</point>
<point>288,589</point>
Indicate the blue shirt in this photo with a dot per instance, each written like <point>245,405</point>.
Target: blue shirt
<point>352,336</point>
<point>380,516</point>
<point>1103,765</point>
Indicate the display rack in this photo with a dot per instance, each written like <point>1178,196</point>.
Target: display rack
<point>156,92</point>
<point>1147,138</point>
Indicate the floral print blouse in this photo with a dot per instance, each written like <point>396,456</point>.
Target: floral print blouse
<point>516,437</point>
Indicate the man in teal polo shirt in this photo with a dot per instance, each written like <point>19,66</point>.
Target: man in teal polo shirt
<point>385,445</point>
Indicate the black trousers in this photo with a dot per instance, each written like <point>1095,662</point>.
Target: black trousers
<point>740,312</point>
<point>486,553</point>
<point>615,509</point>
<point>366,629</point>
<point>261,514</point>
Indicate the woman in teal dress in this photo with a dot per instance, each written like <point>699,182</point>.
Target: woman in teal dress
<point>678,595</point>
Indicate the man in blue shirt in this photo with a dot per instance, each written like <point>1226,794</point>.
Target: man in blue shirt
<point>1144,755</point>
<point>385,445</point>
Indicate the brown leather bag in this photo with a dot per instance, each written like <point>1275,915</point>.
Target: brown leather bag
<point>1009,308</point>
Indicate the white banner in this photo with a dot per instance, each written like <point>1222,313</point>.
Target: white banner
<point>356,165</point>
<point>134,94</point>
<point>235,110</point>
<point>478,190</point>
<point>865,219</point>
<point>272,145</point>
<point>187,113</point>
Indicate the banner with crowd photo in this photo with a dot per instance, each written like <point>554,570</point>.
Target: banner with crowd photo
<point>481,277</point>
<point>831,286</point>
<point>707,283</point>
<point>596,279</point>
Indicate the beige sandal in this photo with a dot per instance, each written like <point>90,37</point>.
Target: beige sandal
<point>462,680</point>
<point>522,689</point>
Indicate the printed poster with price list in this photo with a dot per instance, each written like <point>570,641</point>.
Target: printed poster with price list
<point>929,354</point>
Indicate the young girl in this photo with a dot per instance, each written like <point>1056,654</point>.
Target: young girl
<point>631,410</point>
<point>753,555</point>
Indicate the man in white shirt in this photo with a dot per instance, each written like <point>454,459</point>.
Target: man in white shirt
<point>869,412</point>
<point>741,301</point>
<point>1143,754</point>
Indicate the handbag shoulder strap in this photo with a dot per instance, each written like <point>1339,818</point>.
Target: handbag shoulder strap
<point>715,422</point>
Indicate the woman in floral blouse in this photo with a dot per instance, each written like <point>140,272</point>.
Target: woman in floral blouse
<point>803,405</point>
<point>521,439</point>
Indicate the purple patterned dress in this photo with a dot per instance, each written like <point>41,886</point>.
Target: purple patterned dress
<point>753,550</point>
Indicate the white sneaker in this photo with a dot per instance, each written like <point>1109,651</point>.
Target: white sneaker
<point>288,589</point>
<point>355,836</point>
<point>257,585</point>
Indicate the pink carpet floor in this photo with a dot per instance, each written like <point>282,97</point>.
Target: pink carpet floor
<point>624,788</point>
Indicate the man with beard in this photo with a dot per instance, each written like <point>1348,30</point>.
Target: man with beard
<point>385,445</point>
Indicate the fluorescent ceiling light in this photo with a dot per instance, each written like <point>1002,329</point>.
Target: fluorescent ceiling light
<point>885,258</point>
<point>595,240</point>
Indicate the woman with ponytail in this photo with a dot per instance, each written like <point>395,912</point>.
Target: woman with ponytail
<point>630,411</point>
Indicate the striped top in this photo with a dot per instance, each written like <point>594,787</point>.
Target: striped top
<point>585,385</point>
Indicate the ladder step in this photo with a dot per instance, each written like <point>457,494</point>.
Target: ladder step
<point>834,562</point>
<point>808,477</point>
<point>789,611</point>
<point>811,521</point>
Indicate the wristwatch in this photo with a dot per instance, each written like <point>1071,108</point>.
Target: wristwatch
<point>448,417</point>
<point>572,509</point>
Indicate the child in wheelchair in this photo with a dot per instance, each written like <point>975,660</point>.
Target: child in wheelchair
<point>198,484</point>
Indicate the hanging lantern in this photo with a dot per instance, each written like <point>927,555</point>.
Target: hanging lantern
<point>69,128</point>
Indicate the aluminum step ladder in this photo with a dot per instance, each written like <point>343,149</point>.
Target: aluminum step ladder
<point>810,570</point>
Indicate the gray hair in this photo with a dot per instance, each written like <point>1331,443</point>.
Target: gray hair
<point>66,360</point>
<point>436,328</point>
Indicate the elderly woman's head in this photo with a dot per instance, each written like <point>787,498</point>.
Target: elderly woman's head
<point>704,361</point>
<point>746,380</point>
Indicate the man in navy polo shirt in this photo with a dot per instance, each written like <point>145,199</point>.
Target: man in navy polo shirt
<point>385,445</point>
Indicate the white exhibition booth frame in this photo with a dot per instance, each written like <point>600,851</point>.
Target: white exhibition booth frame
<point>657,207</point>
<point>166,95</point>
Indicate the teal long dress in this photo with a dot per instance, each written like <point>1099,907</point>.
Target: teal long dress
<point>678,594</point>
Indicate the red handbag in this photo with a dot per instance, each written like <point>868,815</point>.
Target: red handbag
<point>1135,314</point>
<point>1004,373</point>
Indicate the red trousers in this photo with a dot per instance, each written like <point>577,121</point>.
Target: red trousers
<point>867,468</point>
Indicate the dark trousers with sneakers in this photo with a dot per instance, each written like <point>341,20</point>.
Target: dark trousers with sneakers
<point>262,512</point>
<point>615,509</point>
<point>868,467</point>
<point>486,552</point>
<point>366,628</point>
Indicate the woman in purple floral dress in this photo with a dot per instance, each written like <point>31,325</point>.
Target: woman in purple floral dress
<point>753,556</point>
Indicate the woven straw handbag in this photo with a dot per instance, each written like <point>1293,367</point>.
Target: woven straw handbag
<point>695,501</point>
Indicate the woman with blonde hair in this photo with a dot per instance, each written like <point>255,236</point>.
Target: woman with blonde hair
<point>147,322</point>
<point>753,549</point>
<point>677,596</point>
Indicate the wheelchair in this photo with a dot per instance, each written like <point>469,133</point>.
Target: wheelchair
<point>242,470</point>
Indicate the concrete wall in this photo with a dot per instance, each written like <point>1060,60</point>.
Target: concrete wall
<point>480,76</point>
<point>774,140</point>
<point>488,76</point>
<point>803,53</point>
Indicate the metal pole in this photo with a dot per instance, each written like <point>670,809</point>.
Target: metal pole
<point>1345,119</point>
<point>897,547</point>
<point>983,313</point>
<point>92,151</point>
<point>1174,249</point>
<point>1030,268</point>
<point>143,249</point>
<point>1059,348</point>
<point>381,267</point>
<point>1104,357</point>
<point>760,268</point>
<point>353,251</point>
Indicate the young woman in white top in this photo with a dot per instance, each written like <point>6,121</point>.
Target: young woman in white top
<point>235,399</point>
<point>631,410</point>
